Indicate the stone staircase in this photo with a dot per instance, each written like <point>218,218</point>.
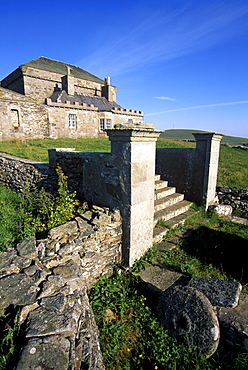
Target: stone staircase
<point>168,206</point>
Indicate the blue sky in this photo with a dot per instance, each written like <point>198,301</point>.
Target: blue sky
<point>184,63</point>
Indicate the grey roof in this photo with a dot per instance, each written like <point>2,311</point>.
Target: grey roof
<point>52,65</point>
<point>99,102</point>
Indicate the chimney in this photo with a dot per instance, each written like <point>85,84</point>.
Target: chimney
<point>109,91</point>
<point>68,82</point>
<point>107,80</point>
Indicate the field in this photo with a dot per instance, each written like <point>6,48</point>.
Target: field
<point>233,169</point>
<point>179,134</point>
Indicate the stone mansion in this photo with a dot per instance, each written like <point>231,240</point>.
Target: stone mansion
<point>45,98</point>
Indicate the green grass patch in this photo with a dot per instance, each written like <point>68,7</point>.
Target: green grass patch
<point>13,218</point>
<point>233,169</point>
<point>180,134</point>
<point>206,246</point>
<point>37,149</point>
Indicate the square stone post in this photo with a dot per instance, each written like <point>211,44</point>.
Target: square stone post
<point>134,147</point>
<point>209,143</point>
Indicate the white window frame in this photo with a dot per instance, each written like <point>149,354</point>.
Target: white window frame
<point>72,120</point>
<point>105,123</point>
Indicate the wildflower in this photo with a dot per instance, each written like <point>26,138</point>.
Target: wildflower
<point>140,355</point>
<point>128,350</point>
<point>155,367</point>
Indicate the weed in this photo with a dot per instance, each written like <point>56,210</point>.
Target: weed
<point>9,334</point>
<point>133,338</point>
<point>149,257</point>
<point>34,211</point>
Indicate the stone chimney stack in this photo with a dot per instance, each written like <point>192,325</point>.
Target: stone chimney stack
<point>108,90</point>
<point>68,82</point>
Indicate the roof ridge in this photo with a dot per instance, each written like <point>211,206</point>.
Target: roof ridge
<point>56,64</point>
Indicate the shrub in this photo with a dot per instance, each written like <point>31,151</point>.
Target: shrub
<point>34,211</point>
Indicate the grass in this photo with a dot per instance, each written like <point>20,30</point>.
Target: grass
<point>10,339</point>
<point>130,335</point>
<point>180,134</point>
<point>233,170</point>
<point>12,218</point>
<point>37,149</point>
<point>205,248</point>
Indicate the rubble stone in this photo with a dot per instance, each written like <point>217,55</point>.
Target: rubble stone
<point>51,352</point>
<point>17,289</point>
<point>27,248</point>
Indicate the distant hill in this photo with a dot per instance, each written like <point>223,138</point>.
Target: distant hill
<point>178,134</point>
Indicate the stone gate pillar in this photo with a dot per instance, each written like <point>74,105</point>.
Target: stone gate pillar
<point>134,147</point>
<point>209,145</point>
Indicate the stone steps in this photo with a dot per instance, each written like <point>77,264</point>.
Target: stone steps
<point>159,184</point>
<point>159,231</point>
<point>170,207</point>
<point>164,192</point>
<point>172,211</point>
<point>167,201</point>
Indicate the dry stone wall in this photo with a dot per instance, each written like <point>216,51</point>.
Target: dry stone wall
<point>236,198</point>
<point>17,173</point>
<point>48,281</point>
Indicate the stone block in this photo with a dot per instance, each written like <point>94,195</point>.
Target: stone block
<point>143,151</point>
<point>221,209</point>
<point>27,248</point>
<point>234,323</point>
<point>189,317</point>
<point>51,352</point>
<point>18,290</point>
<point>222,293</point>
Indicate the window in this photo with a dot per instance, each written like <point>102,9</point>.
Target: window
<point>105,123</point>
<point>101,124</point>
<point>15,118</point>
<point>72,120</point>
<point>108,123</point>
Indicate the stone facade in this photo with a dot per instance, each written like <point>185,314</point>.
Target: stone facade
<point>47,98</point>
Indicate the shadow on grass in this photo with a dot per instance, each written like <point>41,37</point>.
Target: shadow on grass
<point>225,251</point>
